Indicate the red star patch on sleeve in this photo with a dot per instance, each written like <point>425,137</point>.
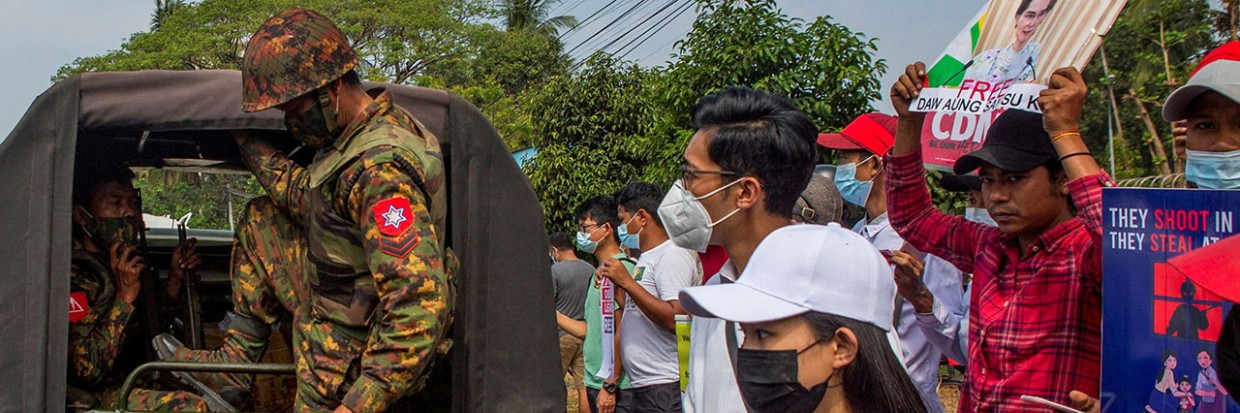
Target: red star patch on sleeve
<point>78,307</point>
<point>394,216</point>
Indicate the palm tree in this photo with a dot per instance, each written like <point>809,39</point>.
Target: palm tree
<point>532,15</point>
<point>164,10</point>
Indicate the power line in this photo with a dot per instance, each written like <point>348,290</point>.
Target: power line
<point>615,34</point>
<point>587,20</point>
<point>669,4</point>
<point>608,26</point>
<point>661,24</point>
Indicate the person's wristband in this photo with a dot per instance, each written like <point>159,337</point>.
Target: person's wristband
<point>1062,135</point>
<point>1062,158</point>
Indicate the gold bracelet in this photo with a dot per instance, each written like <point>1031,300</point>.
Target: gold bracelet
<point>1056,138</point>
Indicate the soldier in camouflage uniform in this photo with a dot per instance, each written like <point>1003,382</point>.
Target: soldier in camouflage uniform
<point>104,284</point>
<point>351,245</point>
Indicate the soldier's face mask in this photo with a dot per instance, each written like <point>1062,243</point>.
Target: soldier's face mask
<point>107,231</point>
<point>316,125</point>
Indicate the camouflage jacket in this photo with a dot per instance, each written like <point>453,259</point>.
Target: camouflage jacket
<point>98,319</point>
<point>374,206</point>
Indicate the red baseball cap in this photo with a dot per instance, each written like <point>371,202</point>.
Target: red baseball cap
<point>1218,72</point>
<point>874,132</point>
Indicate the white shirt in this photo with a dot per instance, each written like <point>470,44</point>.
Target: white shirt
<point>712,382</point>
<point>920,356</point>
<point>650,350</point>
<point>947,325</point>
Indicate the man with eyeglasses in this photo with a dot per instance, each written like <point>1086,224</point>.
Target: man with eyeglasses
<point>752,154</point>
<point>860,148</point>
<point>597,224</point>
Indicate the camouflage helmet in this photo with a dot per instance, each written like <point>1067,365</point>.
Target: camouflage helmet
<point>293,53</point>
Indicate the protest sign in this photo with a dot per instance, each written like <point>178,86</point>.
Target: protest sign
<point>1159,327</point>
<point>607,306</point>
<point>1001,61</point>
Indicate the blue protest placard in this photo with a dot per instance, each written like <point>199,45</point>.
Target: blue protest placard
<point>1159,328</point>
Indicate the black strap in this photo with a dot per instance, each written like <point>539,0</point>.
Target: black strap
<point>729,333</point>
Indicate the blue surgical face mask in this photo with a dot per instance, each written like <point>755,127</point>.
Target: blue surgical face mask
<point>629,240</point>
<point>583,241</point>
<point>1213,170</point>
<point>853,191</point>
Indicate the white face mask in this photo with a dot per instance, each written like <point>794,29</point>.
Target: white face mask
<point>686,220</point>
<point>979,215</point>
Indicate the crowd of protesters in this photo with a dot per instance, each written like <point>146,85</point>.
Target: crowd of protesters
<point>806,315</point>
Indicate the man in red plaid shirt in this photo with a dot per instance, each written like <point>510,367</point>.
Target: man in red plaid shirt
<point>1036,310</point>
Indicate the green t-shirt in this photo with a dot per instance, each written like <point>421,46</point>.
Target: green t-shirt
<point>592,347</point>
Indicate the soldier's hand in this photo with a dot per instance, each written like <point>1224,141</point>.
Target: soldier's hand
<point>127,265</point>
<point>1062,101</point>
<point>907,88</point>
<point>184,258</point>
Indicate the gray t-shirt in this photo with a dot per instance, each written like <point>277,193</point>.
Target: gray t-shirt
<point>571,280</point>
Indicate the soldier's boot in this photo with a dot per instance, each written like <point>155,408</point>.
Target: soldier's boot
<point>245,341</point>
<point>224,400</point>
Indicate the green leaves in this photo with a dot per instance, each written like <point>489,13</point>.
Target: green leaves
<point>613,122</point>
<point>1151,50</point>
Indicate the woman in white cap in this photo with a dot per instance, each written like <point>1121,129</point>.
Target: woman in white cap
<point>816,304</point>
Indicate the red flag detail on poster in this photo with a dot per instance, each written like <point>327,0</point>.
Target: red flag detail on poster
<point>1002,61</point>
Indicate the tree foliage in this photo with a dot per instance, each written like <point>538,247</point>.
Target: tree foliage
<point>585,126</point>
<point>1150,51</point>
<point>449,44</point>
<point>613,122</point>
<point>395,39</point>
<point>534,15</point>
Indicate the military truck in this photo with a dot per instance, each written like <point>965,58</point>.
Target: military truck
<point>505,356</point>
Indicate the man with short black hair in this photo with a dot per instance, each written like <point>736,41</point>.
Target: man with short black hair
<point>597,224</point>
<point>571,278</point>
<point>647,337</point>
<point>752,154</point>
<point>1035,318</point>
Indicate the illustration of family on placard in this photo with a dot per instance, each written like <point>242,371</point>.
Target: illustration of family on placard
<point>1176,387</point>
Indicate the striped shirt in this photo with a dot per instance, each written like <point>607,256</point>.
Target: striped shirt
<point>1035,320</point>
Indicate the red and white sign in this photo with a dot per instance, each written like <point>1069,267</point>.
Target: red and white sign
<point>78,307</point>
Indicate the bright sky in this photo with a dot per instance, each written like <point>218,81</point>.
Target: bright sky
<point>40,36</point>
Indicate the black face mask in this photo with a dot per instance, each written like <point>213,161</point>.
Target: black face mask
<point>769,383</point>
<point>316,127</point>
<point>107,231</point>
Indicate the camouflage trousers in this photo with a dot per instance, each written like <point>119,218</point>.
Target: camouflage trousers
<point>268,273</point>
<point>165,401</point>
<point>270,282</point>
<point>139,400</point>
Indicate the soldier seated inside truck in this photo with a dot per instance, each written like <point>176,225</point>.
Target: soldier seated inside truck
<point>112,308</point>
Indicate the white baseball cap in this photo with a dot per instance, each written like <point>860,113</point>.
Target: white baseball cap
<point>1219,71</point>
<point>803,268</point>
